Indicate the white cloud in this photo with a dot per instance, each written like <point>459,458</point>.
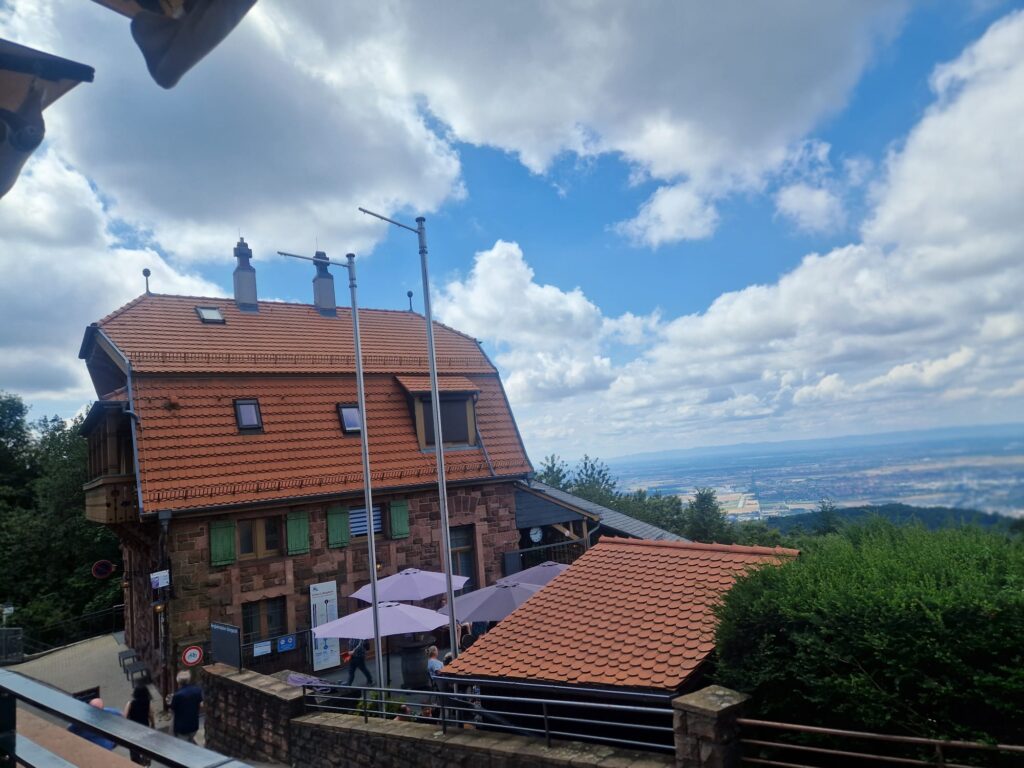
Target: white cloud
<point>917,325</point>
<point>705,98</point>
<point>812,209</point>
<point>63,269</point>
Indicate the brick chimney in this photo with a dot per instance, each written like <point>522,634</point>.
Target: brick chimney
<point>323,287</point>
<point>245,279</point>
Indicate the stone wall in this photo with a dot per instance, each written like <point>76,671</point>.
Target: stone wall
<point>331,740</point>
<point>248,714</point>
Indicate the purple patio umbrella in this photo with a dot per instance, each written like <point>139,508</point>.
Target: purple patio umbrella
<point>539,574</point>
<point>410,584</point>
<point>395,619</point>
<point>492,603</point>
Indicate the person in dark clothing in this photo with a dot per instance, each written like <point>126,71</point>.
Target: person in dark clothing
<point>357,648</point>
<point>186,704</point>
<point>139,710</point>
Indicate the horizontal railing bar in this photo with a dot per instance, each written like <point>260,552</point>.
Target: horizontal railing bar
<point>462,707</point>
<point>406,691</point>
<point>574,690</point>
<point>882,736</point>
<point>30,754</point>
<point>840,752</point>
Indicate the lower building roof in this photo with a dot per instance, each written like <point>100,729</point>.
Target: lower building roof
<point>629,613</point>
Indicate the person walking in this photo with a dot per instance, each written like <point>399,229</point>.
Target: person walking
<point>139,710</point>
<point>357,661</point>
<point>186,704</point>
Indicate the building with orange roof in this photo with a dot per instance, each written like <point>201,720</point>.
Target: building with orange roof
<point>225,449</point>
<point>630,616</point>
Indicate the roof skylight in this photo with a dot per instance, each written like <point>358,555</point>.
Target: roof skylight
<point>210,314</point>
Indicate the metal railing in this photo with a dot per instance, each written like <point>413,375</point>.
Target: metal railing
<point>68,631</point>
<point>806,746</point>
<point>16,748</point>
<point>565,552</point>
<point>632,726</point>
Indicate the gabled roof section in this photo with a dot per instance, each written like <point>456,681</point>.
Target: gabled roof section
<point>615,522</point>
<point>163,334</point>
<point>629,613</point>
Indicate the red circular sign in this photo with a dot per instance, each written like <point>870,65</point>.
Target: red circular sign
<point>192,655</point>
<point>103,569</point>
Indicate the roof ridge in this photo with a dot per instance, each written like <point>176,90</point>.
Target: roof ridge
<point>267,302</point>
<point>121,309</point>
<point>734,548</point>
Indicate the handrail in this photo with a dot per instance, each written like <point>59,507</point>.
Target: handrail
<point>918,740</point>
<point>168,750</point>
<point>503,713</point>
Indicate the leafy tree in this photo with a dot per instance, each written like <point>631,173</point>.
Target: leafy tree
<point>704,520</point>
<point>663,511</point>
<point>554,472</point>
<point>757,533</point>
<point>17,467</point>
<point>885,628</point>
<point>828,520</point>
<point>592,479</point>
<point>49,547</point>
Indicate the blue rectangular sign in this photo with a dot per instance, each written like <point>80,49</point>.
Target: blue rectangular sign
<point>286,643</point>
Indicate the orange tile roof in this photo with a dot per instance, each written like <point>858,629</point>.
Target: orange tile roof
<point>163,334</point>
<point>187,375</point>
<point>421,384</point>
<point>629,613</point>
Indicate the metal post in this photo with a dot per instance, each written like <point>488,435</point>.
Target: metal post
<point>8,727</point>
<point>442,489</point>
<point>367,492</point>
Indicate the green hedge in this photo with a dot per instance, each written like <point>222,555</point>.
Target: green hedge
<point>885,628</point>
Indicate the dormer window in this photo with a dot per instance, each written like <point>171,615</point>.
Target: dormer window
<point>458,410</point>
<point>348,415</point>
<point>247,414</point>
<point>458,422</point>
<point>211,315</point>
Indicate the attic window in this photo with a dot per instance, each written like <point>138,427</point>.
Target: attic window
<point>210,315</point>
<point>348,415</point>
<point>458,421</point>
<point>247,414</point>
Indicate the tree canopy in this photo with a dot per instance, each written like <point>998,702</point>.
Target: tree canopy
<point>49,547</point>
<point>885,628</point>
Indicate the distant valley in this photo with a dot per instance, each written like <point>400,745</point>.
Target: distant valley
<point>978,468</point>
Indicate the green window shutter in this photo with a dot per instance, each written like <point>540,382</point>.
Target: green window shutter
<point>337,527</point>
<point>399,519</point>
<point>222,542</point>
<point>298,532</point>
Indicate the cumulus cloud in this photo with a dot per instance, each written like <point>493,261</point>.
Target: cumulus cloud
<point>64,268</point>
<point>706,99</point>
<point>812,209</point>
<point>916,324</point>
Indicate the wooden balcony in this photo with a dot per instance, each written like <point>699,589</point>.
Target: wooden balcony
<point>111,499</point>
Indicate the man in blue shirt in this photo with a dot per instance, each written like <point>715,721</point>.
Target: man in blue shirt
<point>186,704</point>
<point>90,735</point>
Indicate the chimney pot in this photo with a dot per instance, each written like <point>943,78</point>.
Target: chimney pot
<point>323,287</point>
<point>245,279</point>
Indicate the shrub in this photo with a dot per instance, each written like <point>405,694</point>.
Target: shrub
<point>885,628</point>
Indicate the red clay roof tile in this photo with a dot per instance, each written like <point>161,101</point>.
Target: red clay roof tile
<point>628,613</point>
<point>299,365</point>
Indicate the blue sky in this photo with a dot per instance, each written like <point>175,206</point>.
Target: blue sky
<point>670,225</point>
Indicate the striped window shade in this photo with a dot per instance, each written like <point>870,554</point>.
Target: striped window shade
<point>357,521</point>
